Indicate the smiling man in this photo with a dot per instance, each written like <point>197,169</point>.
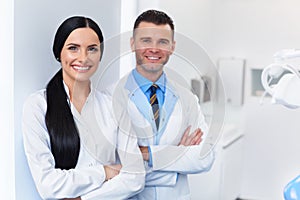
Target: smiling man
<point>162,112</point>
<point>153,44</point>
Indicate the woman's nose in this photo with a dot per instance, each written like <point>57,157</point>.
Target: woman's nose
<point>83,56</point>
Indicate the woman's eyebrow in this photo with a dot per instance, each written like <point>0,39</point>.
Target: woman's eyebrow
<point>72,44</point>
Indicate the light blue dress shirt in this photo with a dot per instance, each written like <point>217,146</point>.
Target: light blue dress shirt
<point>145,84</point>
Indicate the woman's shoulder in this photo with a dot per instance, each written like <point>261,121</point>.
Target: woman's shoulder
<point>36,99</point>
<point>37,95</point>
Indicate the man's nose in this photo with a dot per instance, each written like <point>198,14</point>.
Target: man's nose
<point>154,48</point>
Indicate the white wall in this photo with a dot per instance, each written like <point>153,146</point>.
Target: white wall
<point>7,175</point>
<point>34,64</point>
<point>255,30</point>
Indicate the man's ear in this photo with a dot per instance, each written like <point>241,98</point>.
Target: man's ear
<point>173,46</point>
<point>132,46</point>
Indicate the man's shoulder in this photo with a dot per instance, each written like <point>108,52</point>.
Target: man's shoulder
<point>178,88</point>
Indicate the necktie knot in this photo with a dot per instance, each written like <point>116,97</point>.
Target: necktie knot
<point>153,88</point>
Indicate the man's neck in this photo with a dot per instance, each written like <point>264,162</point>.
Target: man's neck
<point>151,76</point>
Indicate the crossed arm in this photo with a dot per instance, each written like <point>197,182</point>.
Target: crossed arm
<point>110,172</point>
<point>184,157</point>
<point>187,140</point>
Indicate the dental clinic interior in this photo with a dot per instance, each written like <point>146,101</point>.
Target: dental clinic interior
<point>222,50</point>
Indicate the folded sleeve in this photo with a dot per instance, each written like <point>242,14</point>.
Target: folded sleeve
<point>181,159</point>
<point>185,159</point>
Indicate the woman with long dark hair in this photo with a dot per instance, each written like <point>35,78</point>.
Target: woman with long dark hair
<point>71,141</point>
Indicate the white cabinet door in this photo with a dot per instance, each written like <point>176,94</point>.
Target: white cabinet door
<point>223,181</point>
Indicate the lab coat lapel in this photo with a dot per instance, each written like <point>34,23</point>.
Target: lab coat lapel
<point>91,135</point>
<point>167,117</point>
<point>141,120</point>
<point>139,98</point>
<point>167,109</point>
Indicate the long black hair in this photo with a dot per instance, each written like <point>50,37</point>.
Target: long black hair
<point>64,136</point>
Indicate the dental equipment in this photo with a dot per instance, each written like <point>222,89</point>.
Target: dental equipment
<point>287,93</point>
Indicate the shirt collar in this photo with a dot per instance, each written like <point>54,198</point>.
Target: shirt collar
<point>145,84</point>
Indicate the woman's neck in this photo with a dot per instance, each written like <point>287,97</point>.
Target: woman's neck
<point>78,92</point>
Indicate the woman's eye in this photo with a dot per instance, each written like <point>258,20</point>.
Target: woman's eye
<point>93,49</point>
<point>72,48</point>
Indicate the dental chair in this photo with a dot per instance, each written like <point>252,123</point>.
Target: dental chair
<point>292,189</point>
<point>285,92</point>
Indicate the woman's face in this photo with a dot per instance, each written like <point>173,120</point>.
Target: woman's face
<point>80,55</point>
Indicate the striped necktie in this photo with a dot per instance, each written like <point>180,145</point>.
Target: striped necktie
<point>154,104</point>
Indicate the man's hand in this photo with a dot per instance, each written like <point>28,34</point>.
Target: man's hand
<point>145,152</point>
<point>111,171</point>
<point>193,139</point>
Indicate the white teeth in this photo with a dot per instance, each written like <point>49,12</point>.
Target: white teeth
<point>80,68</point>
<point>152,58</point>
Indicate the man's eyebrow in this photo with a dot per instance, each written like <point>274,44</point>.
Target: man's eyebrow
<point>164,39</point>
<point>145,37</point>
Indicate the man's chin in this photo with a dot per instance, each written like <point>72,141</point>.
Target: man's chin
<point>153,67</point>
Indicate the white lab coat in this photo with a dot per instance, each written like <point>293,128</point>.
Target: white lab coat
<point>167,178</point>
<point>101,145</point>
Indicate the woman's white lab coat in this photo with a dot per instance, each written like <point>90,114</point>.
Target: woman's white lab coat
<point>167,177</point>
<point>101,145</point>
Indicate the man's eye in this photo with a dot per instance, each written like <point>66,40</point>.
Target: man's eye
<point>164,42</point>
<point>146,40</point>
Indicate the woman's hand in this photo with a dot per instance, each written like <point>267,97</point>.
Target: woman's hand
<point>145,152</point>
<point>111,171</point>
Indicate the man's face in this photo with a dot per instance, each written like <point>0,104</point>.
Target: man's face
<point>153,44</point>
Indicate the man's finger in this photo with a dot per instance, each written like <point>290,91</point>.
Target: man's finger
<point>185,136</point>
